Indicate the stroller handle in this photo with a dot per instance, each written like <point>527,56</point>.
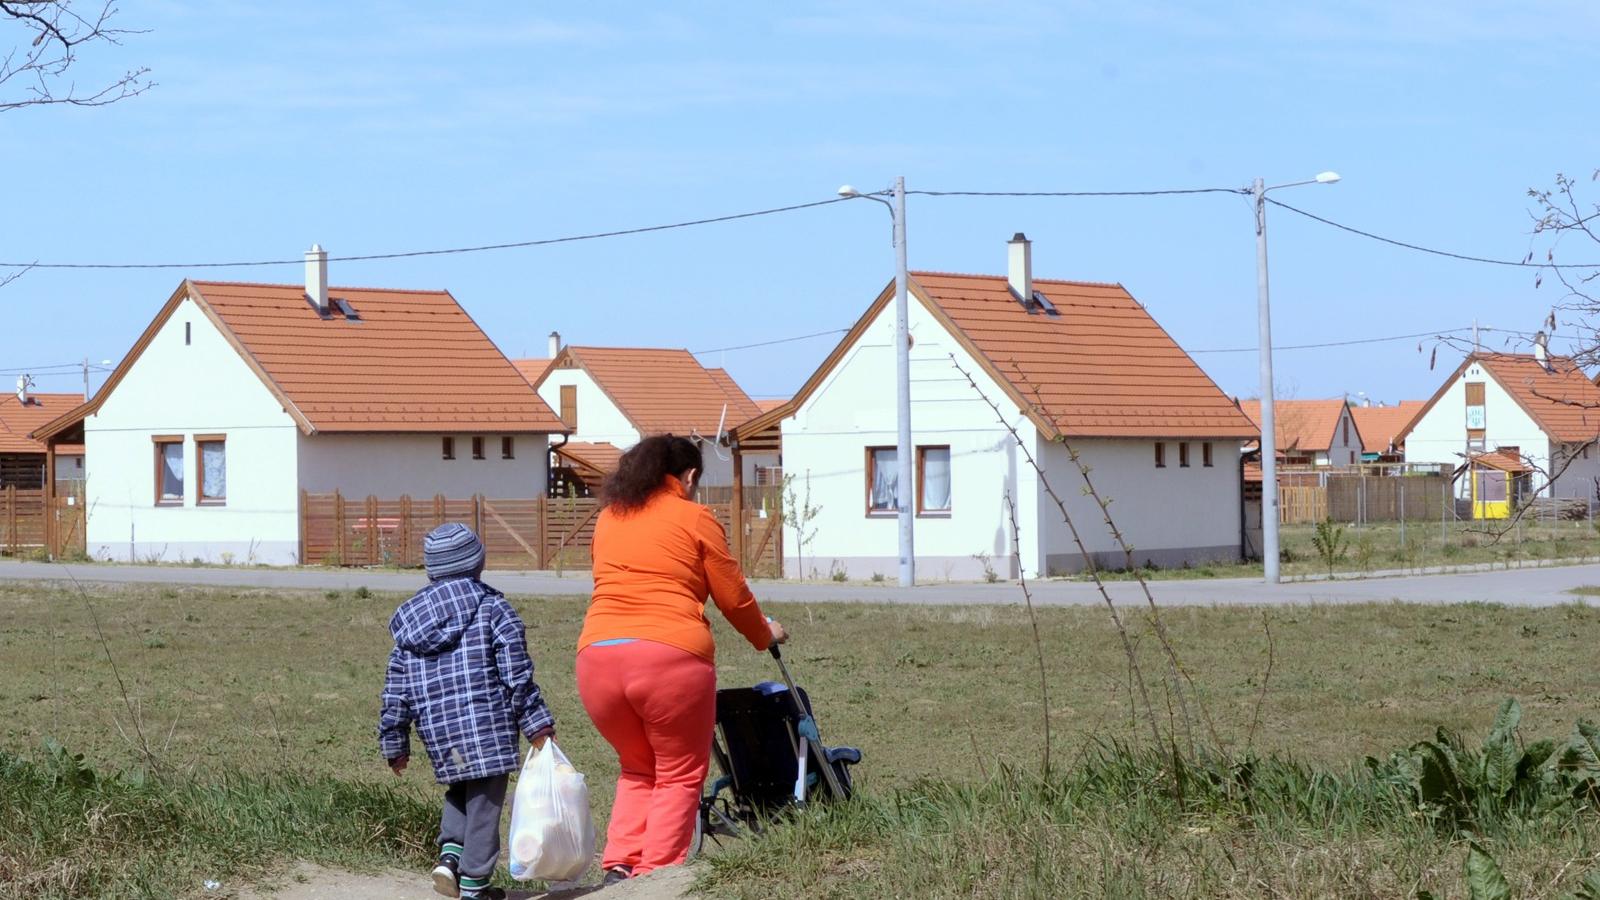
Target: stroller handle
<point>776,654</point>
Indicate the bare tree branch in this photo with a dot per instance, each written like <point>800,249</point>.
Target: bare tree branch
<point>55,30</point>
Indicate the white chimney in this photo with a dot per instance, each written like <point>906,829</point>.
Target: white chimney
<point>1541,350</point>
<point>555,344</point>
<point>317,277</point>
<point>23,383</point>
<point>1019,268</point>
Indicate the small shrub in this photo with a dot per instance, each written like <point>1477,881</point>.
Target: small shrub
<point>332,595</point>
<point>877,577</point>
<point>1331,543</point>
<point>362,593</point>
<point>1366,551</point>
<point>986,561</point>
<point>836,571</point>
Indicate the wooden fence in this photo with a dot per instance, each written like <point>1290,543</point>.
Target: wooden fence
<point>1300,504</point>
<point>538,533</point>
<point>1363,498</point>
<point>24,527</point>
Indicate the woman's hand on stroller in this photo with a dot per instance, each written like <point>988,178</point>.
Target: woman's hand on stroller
<point>780,635</point>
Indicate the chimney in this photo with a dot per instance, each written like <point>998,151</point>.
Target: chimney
<point>317,278</point>
<point>1541,350</point>
<point>1019,268</point>
<point>23,383</point>
<point>555,344</point>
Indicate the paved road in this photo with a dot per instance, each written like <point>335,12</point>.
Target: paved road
<point>1514,587</point>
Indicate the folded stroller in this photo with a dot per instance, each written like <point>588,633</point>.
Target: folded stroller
<point>769,758</point>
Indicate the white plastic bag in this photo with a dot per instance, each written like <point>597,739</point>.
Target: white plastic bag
<point>552,834</point>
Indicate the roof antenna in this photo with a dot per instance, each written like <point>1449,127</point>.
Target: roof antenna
<point>716,445</point>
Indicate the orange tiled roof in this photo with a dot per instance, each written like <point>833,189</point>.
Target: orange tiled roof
<point>1504,459</point>
<point>1305,425</point>
<point>531,369</point>
<point>17,422</point>
<point>665,390</point>
<point>1102,368</point>
<point>1380,425</point>
<point>601,458</point>
<point>414,362</point>
<point>1564,402</point>
<point>769,405</point>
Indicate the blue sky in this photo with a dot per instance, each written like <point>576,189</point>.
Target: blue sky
<point>373,128</point>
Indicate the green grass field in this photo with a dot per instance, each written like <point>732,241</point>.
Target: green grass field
<point>248,686</point>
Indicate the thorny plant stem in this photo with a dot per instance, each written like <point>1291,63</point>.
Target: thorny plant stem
<point>1266,678</point>
<point>1033,619</point>
<point>1105,595</point>
<point>133,715</point>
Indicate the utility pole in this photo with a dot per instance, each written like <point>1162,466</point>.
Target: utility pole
<point>905,464</point>
<point>86,379</point>
<point>905,491</point>
<point>1269,435</point>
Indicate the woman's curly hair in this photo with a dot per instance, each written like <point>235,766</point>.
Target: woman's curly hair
<point>641,470</point>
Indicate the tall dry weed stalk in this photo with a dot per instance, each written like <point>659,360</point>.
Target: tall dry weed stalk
<point>1185,708</point>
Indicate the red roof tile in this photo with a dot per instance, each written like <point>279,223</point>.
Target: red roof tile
<point>17,421</point>
<point>1561,400</point>
<point>664,390</point>
<point>415,360</point>
<point>1304,425</point>
<point>1380,425</point>
<point>1103,367</point>
<point>600,458</point>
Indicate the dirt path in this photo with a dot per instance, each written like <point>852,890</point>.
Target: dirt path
<point>308,882</point>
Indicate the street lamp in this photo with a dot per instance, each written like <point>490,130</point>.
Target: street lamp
<point>1269,437</point>
<point>904,483</point>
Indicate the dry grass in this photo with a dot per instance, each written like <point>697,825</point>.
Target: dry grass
<point>268,681</point>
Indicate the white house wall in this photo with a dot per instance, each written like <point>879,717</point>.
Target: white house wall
<point>601,421</point>
<point>1578,479</point>
<point>1440,436</point>
<point>1342,452</point>
<point>854,408</point>
<point>1171,516</point>
<point>389,465</point>
<point>202,387</point>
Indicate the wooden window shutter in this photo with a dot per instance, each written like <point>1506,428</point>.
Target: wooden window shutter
<point>569,405</point>
<point>1475,393</point>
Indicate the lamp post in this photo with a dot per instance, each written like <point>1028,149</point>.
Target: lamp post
<point>904,483</point>
<point>1269,437</point>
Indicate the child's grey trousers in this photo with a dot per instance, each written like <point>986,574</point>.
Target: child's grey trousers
<point>472,819</point>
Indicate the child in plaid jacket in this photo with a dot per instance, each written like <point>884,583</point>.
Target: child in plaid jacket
<point>460,672</point>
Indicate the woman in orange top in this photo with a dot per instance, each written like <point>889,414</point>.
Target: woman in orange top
<point>646,661</point>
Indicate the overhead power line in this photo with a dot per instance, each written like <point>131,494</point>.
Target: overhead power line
<point>1522,264</point>
<point>787,340</point>
<point>1373,340</point>
<point>542,242</point>
<point>1172,192</point>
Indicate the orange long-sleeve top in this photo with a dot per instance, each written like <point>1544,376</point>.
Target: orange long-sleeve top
<point>653,568</point>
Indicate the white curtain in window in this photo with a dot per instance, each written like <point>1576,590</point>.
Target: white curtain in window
<point>214,470</point>
<point>885,472</point>
<point>936,478</point>
<point>172,471</point>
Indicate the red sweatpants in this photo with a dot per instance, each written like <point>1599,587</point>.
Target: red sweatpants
<point>656,705</point>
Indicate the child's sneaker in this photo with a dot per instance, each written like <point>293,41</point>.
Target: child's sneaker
<point>447,876</point>
<point>488,893</point>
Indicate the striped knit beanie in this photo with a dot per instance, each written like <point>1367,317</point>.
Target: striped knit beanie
<point>452,550</point>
